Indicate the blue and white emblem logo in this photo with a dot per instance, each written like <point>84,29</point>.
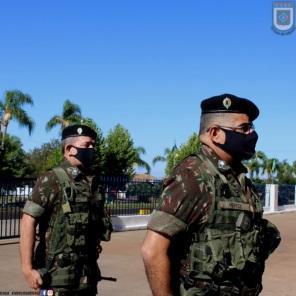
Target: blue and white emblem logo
<point>43,292</point>
<point>283,17</point>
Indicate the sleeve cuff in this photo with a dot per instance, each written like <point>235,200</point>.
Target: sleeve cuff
<point>33,209</point>
<point>165,223</point>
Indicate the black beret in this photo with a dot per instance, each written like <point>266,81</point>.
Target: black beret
<point>77,130</point>
<point>228,103</point>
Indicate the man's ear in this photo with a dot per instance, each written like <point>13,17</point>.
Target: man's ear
<point>216,135</point>
<point>71,150</point>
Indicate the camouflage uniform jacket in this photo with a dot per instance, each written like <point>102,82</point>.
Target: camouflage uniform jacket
<point>185,198</point>
<point>45,202</point>
<point>191,213</point>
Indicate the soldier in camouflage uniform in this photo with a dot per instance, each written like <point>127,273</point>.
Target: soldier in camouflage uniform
<point>68,205</point>
<point>208,236</point>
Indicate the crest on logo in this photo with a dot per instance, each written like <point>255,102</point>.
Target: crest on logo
<point>283,17</point>
<point>227,103</point>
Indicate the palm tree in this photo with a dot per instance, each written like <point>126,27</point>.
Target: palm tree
<point>71,114</point>
<point>160,158</point>
<point>256,163</point>
<point>285,174</point>
<point>270,166</point>
<point>12,109</point>
<point>253,166</point>
<point>140,162</point>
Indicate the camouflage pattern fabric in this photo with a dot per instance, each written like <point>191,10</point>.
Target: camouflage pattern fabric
<point>186,197</point>
<point>72,222</point>
<point>47,191</point>
<point>213,216</point>
<point>188,191</point>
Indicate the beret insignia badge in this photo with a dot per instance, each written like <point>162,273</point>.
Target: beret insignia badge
<point>79,130</point>
<point>226,103</point>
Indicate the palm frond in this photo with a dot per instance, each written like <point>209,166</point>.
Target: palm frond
<point>260,155</point>
<point>54,121</point>
<point>2,106</point>
<point>24,119</point>
<point>158,159</point>
<point>140,150</point>
<point>70,109</point>
<point>143,164</point>
<point>167,151</point>
<point>74,119</point>
<point>16,98</point>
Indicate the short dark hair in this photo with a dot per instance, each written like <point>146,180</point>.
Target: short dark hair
<point>68,141</point>
<point>209,119</point>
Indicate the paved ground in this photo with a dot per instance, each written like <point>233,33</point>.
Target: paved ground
<point>121,259</point>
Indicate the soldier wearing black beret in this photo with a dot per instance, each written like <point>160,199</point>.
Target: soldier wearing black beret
<point>228,103</point>
<point>78,143</point>
<point>78,130</point>
<point>68,204</point>
<point>207,235</point>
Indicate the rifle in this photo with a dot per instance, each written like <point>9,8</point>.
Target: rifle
<point>108,278</point>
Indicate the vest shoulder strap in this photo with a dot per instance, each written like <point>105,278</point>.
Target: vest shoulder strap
<point>64,207</point>
<point>218,183</point>
<point>66,185</point>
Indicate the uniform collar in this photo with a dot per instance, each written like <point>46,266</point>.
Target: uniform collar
<point>238,168</point>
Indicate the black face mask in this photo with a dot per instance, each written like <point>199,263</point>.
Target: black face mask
<point>85,156</point>
<point>239,146</point>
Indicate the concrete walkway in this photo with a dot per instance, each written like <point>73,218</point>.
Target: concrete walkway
<point>121,259</point>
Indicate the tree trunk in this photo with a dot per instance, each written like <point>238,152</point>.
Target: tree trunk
<point>4,123</point>
<point>3,131</point>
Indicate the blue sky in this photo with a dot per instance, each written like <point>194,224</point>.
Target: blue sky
<point>147,65</point>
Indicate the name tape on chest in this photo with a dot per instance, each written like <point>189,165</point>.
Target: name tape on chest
<point>231,205</point>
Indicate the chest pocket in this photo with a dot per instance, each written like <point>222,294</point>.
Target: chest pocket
<point>228,239</point>
<point>234,216</point>
<point>77,229</point>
